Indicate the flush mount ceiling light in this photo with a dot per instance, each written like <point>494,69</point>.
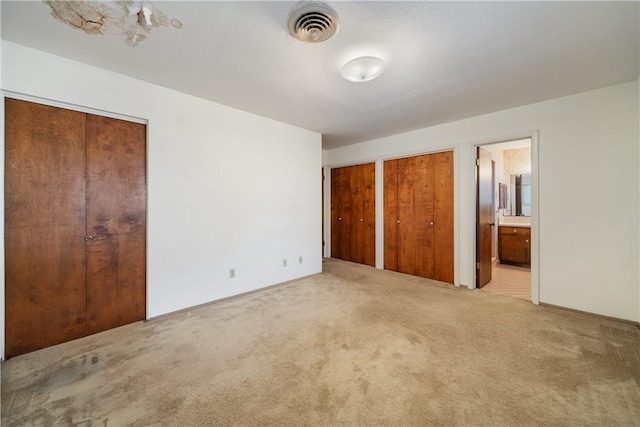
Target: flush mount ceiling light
<point>363,69</point>
<point>313,23</point>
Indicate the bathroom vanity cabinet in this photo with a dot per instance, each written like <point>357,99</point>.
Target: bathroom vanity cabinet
<point>514,245</point>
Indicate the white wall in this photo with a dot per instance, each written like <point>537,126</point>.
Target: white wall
<point>1,209</point>
<point>589,191</point>
<point>226,189</point>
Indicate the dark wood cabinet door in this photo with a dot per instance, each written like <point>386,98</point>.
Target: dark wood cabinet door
<point>116,222</point>
<point>44,226</point>
<point>515,250</point>
<point>443,216</point>
<point>514,245</point>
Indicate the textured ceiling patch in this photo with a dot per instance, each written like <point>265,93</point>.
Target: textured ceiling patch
<point>132,19</point>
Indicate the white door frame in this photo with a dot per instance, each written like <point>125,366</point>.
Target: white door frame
<point>535,221</point>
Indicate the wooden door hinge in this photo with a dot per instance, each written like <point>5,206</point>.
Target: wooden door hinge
<point>477,162</point>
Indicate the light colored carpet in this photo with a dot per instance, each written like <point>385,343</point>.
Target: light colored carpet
<point>510,281</point>
<point>351,346</point>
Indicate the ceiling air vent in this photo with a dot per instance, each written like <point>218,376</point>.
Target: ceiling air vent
<point>313,23</point>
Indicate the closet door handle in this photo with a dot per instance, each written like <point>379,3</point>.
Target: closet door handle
<point>88,238</point>
<point>431,223</point>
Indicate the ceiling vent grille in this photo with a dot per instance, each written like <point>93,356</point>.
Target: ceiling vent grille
<point>313,23</point>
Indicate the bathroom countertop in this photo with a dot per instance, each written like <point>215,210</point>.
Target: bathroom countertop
<point>514,224</point>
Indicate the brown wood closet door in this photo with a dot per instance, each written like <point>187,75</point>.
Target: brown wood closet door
<point>322,205</point>
<point>339,202</point>
<point>334,213</point>
<point>116,223</point>
<point>353,213</point>
<point>356,214</point>
<point>424,216</point>
<point>45,294</point>
<point>418,216</point>
<point>390,210</point>
<point>369,214</point>
<point>443,216</point>
<point>406,216</point>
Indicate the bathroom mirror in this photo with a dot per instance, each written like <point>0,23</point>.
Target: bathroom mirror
<point>520,194</point>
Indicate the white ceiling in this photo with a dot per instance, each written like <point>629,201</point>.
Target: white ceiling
<point>445,60</point>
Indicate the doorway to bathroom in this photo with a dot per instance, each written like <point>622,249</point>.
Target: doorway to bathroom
<point>503,218</point>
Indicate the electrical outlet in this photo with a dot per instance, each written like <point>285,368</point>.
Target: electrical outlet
<point>284,262</point>
<point>300,260</point>
<point>232,273</point>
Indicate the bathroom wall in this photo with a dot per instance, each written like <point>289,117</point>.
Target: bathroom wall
<point>516,161</point>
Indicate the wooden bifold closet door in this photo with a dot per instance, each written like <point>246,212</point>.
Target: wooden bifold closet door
<point>418,216</point>
<point>353,213</point>
<point>75,224</point>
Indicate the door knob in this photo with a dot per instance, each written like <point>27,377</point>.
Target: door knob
<point>339,219</point>
<point>398,221</point>
<point>493,224</point>
<point>361,219</point>
<point>88,238</point>
<point>431,223</point>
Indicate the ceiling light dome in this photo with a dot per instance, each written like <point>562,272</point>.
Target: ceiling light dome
<point>313,23</point>
<point>363,69</point>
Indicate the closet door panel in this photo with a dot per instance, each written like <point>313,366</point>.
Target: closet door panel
<point>356,218</point>
<point>369,214</point>
<point>335,212</point>
<point>116,220</point>
<point>406,216</point>
<point>443,216</point>
<point>44,226</point>
<point>340,213</point>
<point>423,206</point>
<point>344,217</point>
<point>390,208</point>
